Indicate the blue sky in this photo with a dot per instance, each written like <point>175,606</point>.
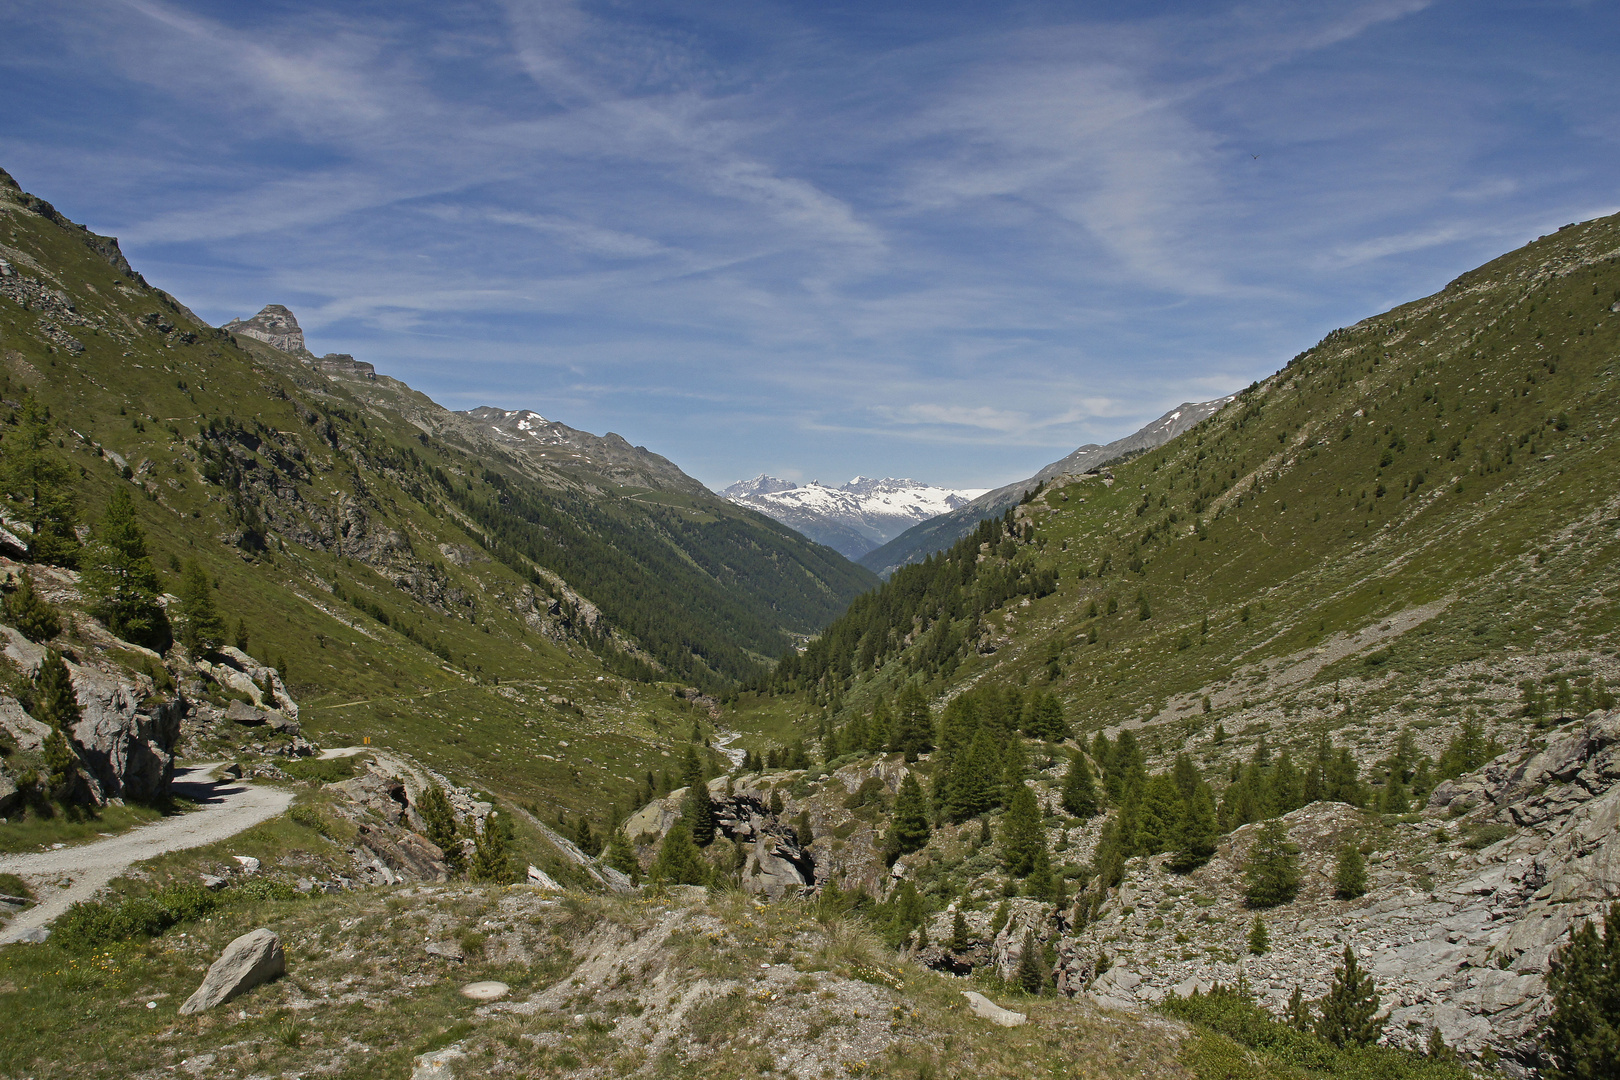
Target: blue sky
<point>950,241</point>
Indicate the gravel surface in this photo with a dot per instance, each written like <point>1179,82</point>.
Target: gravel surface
<point>226,808</point>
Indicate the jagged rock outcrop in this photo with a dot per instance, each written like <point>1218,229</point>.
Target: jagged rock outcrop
<point>239,672</point>
<point>274,325</point>
<point>124,740</point>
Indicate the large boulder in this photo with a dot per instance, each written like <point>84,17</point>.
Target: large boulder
<point>255,957</point>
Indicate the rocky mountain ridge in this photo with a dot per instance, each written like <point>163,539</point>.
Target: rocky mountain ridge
<point>943,530</point>
<point>852,518</point>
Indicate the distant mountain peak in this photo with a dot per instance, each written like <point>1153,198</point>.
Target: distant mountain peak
<point>851,518</point>
<point>274,325</point>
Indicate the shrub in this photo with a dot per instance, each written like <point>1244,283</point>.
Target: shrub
<point>92,924</point>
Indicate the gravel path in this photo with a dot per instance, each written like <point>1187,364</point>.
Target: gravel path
<point>226,808</point>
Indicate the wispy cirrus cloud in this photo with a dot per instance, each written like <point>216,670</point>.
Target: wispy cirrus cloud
<point>946,240</point>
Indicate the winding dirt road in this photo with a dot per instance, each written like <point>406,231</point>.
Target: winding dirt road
<point>226,807</point>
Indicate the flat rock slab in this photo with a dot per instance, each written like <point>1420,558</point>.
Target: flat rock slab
<point>438,1065</point>
<point>255,957</point>
<point>485,991</point>
<point>986,1009</point>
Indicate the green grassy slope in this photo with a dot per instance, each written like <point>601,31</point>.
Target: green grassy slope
<point>1456,451</point>
<point>415,589</point>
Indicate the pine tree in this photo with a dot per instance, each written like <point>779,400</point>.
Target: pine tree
<point>202,630</point>
<point>119,581</point>
<point>492,852</point>
<point>1583,1033</point>
<point>439,819</point>
<point>1350,874</point>
<point>1350,1010</point>
<point>1259,940</point>
<point>620,855</point>
<point>1079,790</point>
<point>37,479</point>
<point>239,639</point>
<point>913,726</point>
<point>802,830</point>
<point>998,921</point>
<point>1271,876</point>
<point>56,704</point>
<point>1021,832</point>
<point>909,831</point>
<point>1437,1049</point>
<point>1046,719</point>
<point>699,809</point>
<point>55,701</point>
<point>31,615</point>
<point>959,932</point>
<point>1040,884</point>
<point>877,730</point>
<point>1031,970</point>
<point>678,861</point>
<point>1199,832</point>
<point>1299,1015</point>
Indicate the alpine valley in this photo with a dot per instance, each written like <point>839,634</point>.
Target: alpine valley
<point>348,735</point>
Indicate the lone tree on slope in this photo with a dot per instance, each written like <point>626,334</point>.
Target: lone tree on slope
<point>1349,1013</point>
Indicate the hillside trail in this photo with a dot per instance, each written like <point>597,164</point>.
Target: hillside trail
<point>225,808</point>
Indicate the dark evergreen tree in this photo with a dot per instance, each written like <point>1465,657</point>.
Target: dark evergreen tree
<point>699,809</point>
<point>41,484</point>
<point>119,581</point>
<point>1299,1016</point>
<point>913,732</point>
<point>439,823</point>
<point>1199,832</point>
<point>492,852</point>
<point>1349,1012</point>
<point>1271,875</point>
<point>1259,939</point>
<point>909,831</point>
<point>877,729</point>
<point>1031,975</point>
<point>1021,832</point>
<point>31,615</point>
<point>202,630</point>
<point>621,855</point>
<point>1583,1033</point>
<point>802,830</point>
<point>971,787</point>
<point>1045,719</point>
<point>1079,790</point>
<point>959,932</point>
<point>678,861</point>
<point>1040,884</point>
<point>1350,873</point>
<point>1108,859</point>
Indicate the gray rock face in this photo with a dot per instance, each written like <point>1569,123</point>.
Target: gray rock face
<point>274,325</point>
<point>255,957</point>
<point>127,751</point>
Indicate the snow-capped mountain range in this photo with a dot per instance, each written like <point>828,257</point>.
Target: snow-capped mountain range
<point>853,518</point>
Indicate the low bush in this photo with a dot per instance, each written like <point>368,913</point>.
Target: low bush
<point>95,924</point>
<point>1234,1013</point>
